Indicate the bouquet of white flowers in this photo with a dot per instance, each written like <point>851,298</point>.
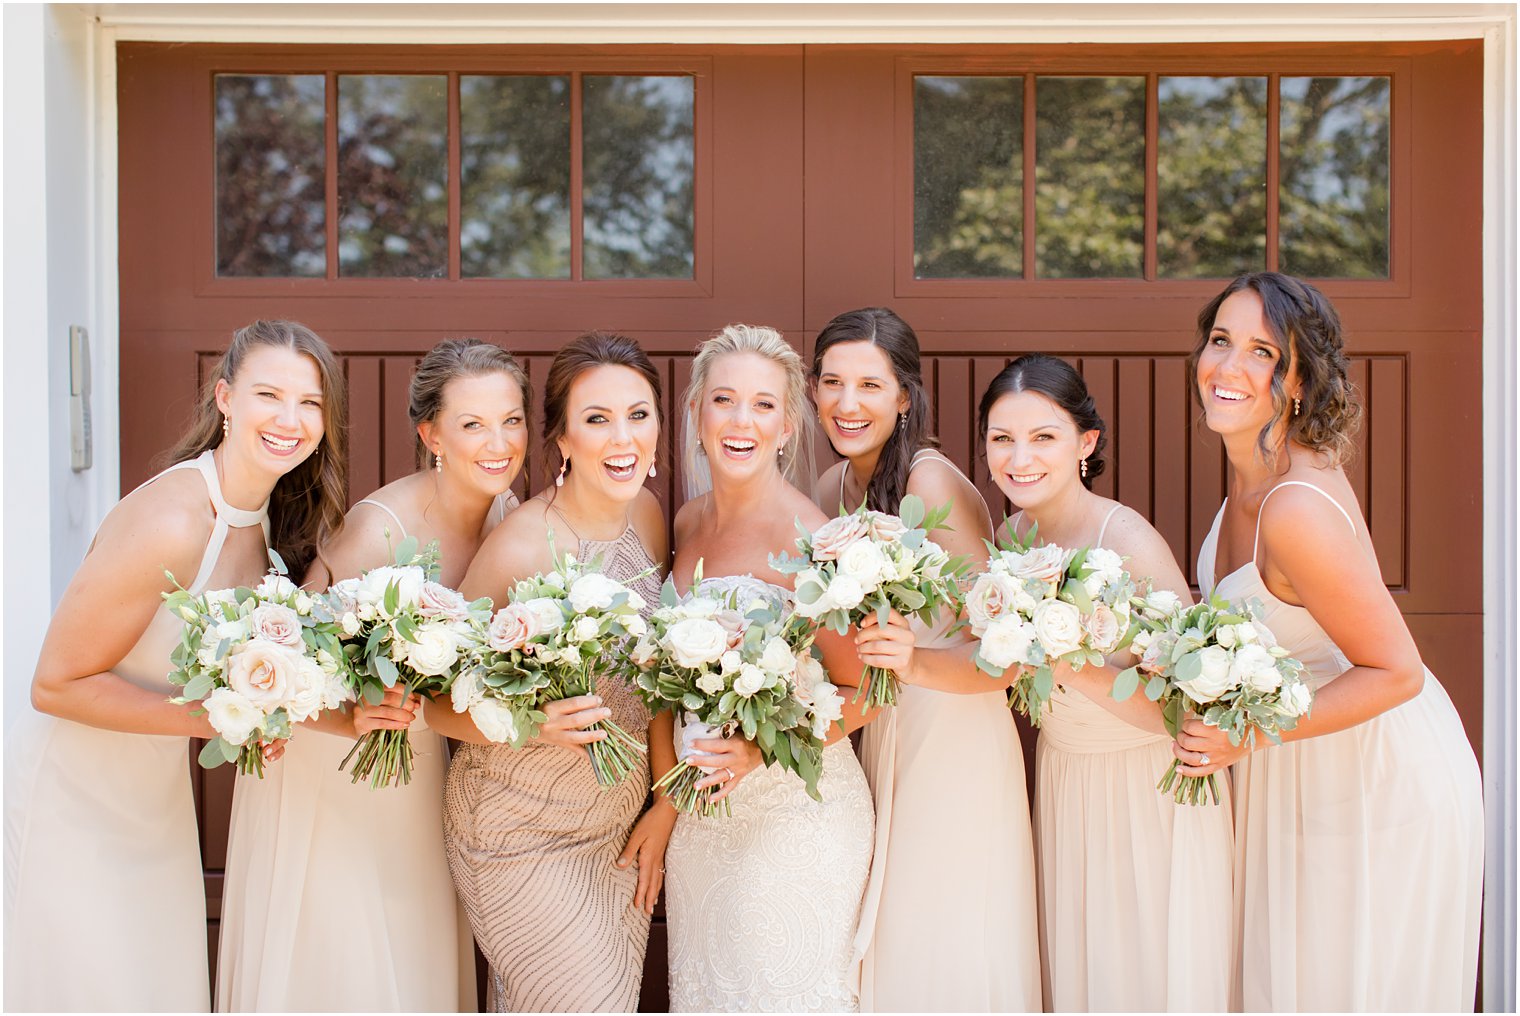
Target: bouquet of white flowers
<point>258,660</point>
<point>542,647</point>
<point>1216,660</point>
<point>734,667</point>
<point>1035,606</point>
<point>869,562</point>
<point>399,626</point>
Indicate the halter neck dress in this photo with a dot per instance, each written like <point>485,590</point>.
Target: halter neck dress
<point>105,897</point>
<point>1125,873</point>
<point>1358,854</point>
<point>948,923</point>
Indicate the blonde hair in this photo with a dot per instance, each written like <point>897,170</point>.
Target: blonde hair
<point>796,463</point>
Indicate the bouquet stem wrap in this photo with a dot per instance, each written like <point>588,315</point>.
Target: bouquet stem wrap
<point>680,784</point>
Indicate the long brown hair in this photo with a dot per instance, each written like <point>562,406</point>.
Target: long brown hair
<point>307,504</point>
<point>593,349</point>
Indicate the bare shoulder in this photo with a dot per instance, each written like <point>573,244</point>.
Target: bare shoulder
<point>1147,554</point>
<point>826,487</point>
<point>794,506</point>
<point>166,524</point>
<point>936,479</point>
<point>648,520</point>
<point>688,516</point>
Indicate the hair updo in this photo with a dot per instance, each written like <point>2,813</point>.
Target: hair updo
<point>449,360</point>
<point>1059,382</point>
<point>583,353</point>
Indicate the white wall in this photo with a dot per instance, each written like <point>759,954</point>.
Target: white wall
<point>49,284</point>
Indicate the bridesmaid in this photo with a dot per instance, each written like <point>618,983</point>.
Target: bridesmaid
<point>105,905</point>
<point>1359,842</point>
<point>763,903</point>
<point>1124,872</point>
<point>952,880</point>
<point>558,875</point>
<point>338,896</point>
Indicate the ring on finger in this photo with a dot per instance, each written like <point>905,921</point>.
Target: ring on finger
<point>730,773</point>
<point>1203,760</point>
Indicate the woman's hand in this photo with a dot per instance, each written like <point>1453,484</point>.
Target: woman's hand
<point>731,758</point>
<point>1203,749</point>
<point>272,750</point>
<point>395,712</point>
<point>646,851</point>
<point>888,646</point>
<point>568,719</point>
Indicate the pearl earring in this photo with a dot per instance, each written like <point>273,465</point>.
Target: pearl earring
<point>902,420</point>
<point>1084,469</point>
<point>438,462</point>
<point>559,481</point>
<point>226,426</point>
<point>1296,405</point>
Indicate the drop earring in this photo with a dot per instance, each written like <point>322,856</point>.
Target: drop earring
<point>652,473</point>
<point>226,427</point>
<point>559,481</point>
<point>902,420</point>
<point>781,450</point>
<point>1296,405</point>
<point>438,462</point>
<point>1084,469</point>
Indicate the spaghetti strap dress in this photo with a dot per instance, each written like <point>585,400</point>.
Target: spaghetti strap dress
<point>532,841</point>
<point>105,897</point>
<point>1358,854</point>
<point>948,923</point>
<point>338,895</point>
<point>1125,873</point>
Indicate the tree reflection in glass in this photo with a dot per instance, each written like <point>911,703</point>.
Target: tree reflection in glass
<point>1089,177</point>
<point>1334,177</point>
<point>393,163</point>
<point>515,165</point>
<point>968,177</point>
<point>270,175</point>
<point>638,164</point>
<point>1212,177</point>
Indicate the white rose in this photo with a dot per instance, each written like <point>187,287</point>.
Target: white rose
<point>1104,567</point>
<point>1007,641</point>
<point>696,606</point>
<point>777,657</point>
<point>817,607</point>
<point>828,706</point>
<point>1246,634</point>
<point>276,587</point>
<point>1213,678</point>
<point>408,580</point>
<point>934,559</point>
<point>1058,626</point>
<point>865,562</point>
<point>1255,668</point>
<point>991,596</point>
<point>551,617</point>
<point>494,720</point>
<point>696,641</point>
<point>336,691</point>
<point>232,716</point>
<point>844,593</point>
<point>585,629</point>
<point>466,689</point>
<point>730,661</point>
<point>350,624</point>
<point>217,599</point>
<point>1141,642</point>
<point>750,680</point>
<point>435,652</point>
<point>231,632</point>
<point>711,683</point>
<point>635,601</point>
<point>643,654</point>
<point>1161,602</point>
<point>276,623</point>
<point>554,580</point>
<point>309,692</point>
<point>593,591</point>
<point>635,626</point>
<point>1295,699</point>
<point>303,602</point>
<point>1225,636</point>
<point>263,673</point>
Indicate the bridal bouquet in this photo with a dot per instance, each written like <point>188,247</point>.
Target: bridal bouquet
<point>1216,660</point>
<point>542,647</point>
<point>258,660</point>
<point>731,667</point>
<point>400,626</point>
<point>1036,606</point>
<point>870,562</point>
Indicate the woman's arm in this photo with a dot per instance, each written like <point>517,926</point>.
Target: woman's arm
<point>651,833</point>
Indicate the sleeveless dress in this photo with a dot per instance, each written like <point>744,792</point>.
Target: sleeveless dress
<point>105,898</point>
<point>1359,854</point>
<point>532,842</point>
<point>948,922</point>
<point>337,895</point>
<point>762,904</point>
<point>1136,909</point>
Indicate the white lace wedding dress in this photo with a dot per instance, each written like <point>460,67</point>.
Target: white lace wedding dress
<point>762,904</point>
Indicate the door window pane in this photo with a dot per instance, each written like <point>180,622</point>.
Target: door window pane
<point>968,177</point>
<point>1334,177</point>
<point>638,160</point>
<point>271,183</point>
<point>514,135</point>
<point>1211,171</point>
<point>1089,177</point>
<point>393,162</point>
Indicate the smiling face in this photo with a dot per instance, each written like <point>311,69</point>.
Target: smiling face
<point>611,431</point>
<point>274,410</point>
<point>741,415</point>
<point>480,430</point>
<point>1236,367</point>
<point>858,397</point>
<point>1034,449</point>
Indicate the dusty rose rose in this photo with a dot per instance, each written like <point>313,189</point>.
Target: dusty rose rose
<point>885,527</point>
<point>1102,628</point>
<point>438,600</point>
<point>1043,564</point>
<point>733,623</point>
<point>831,538</point>
<point>991,596</point>
<point>1156,656</point>
<point>275,623</point>
<point>511,627</point>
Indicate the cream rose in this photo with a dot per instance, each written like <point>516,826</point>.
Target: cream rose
<point>711,683</point>
<point>1156,655</point>
<point>1161,602</point>
<point>585,629</point>
<point>437,600</point>
<point>263,672</point>
<point>831,538</point>
<point>1213,678</point>
<point>1255,668</point>
<point>696,641</point>
<point>844,593</point>
<point>494,719</point>
<point>1102,628</point>
<point>435,652</point>
<point>408,580</point>
<point>275,623</point>
<point>276,587</point>
<point>231,715</point>
<point>231,632</point>
<point>730,661</point>
<point>991,596</point>
<point>749,680</point>
<point>548,612</point>
<point>1058,626</point>
<point>309,692</point>
<point>1103,568</point>
<point>885,527</point>
<point>634,625</point>
<point>1007,641</point>
<point>777,657</point>
<point>511,627</point>
<point>866,563</point>
<point>593,591</point>
<point>1042,564</point>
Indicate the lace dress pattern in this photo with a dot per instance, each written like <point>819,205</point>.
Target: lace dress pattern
<point>762,905</point>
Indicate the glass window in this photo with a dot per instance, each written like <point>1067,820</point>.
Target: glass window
<point>1211,169</point>
<point>393,205</point>
<point>638,166</point>
<point>271,183</point>
<point>968,177</point>
<point>1333,174</point>
<point>515,176</point>
<point>1089,177</point>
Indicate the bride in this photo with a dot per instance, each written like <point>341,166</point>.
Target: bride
<point>762,904</point>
